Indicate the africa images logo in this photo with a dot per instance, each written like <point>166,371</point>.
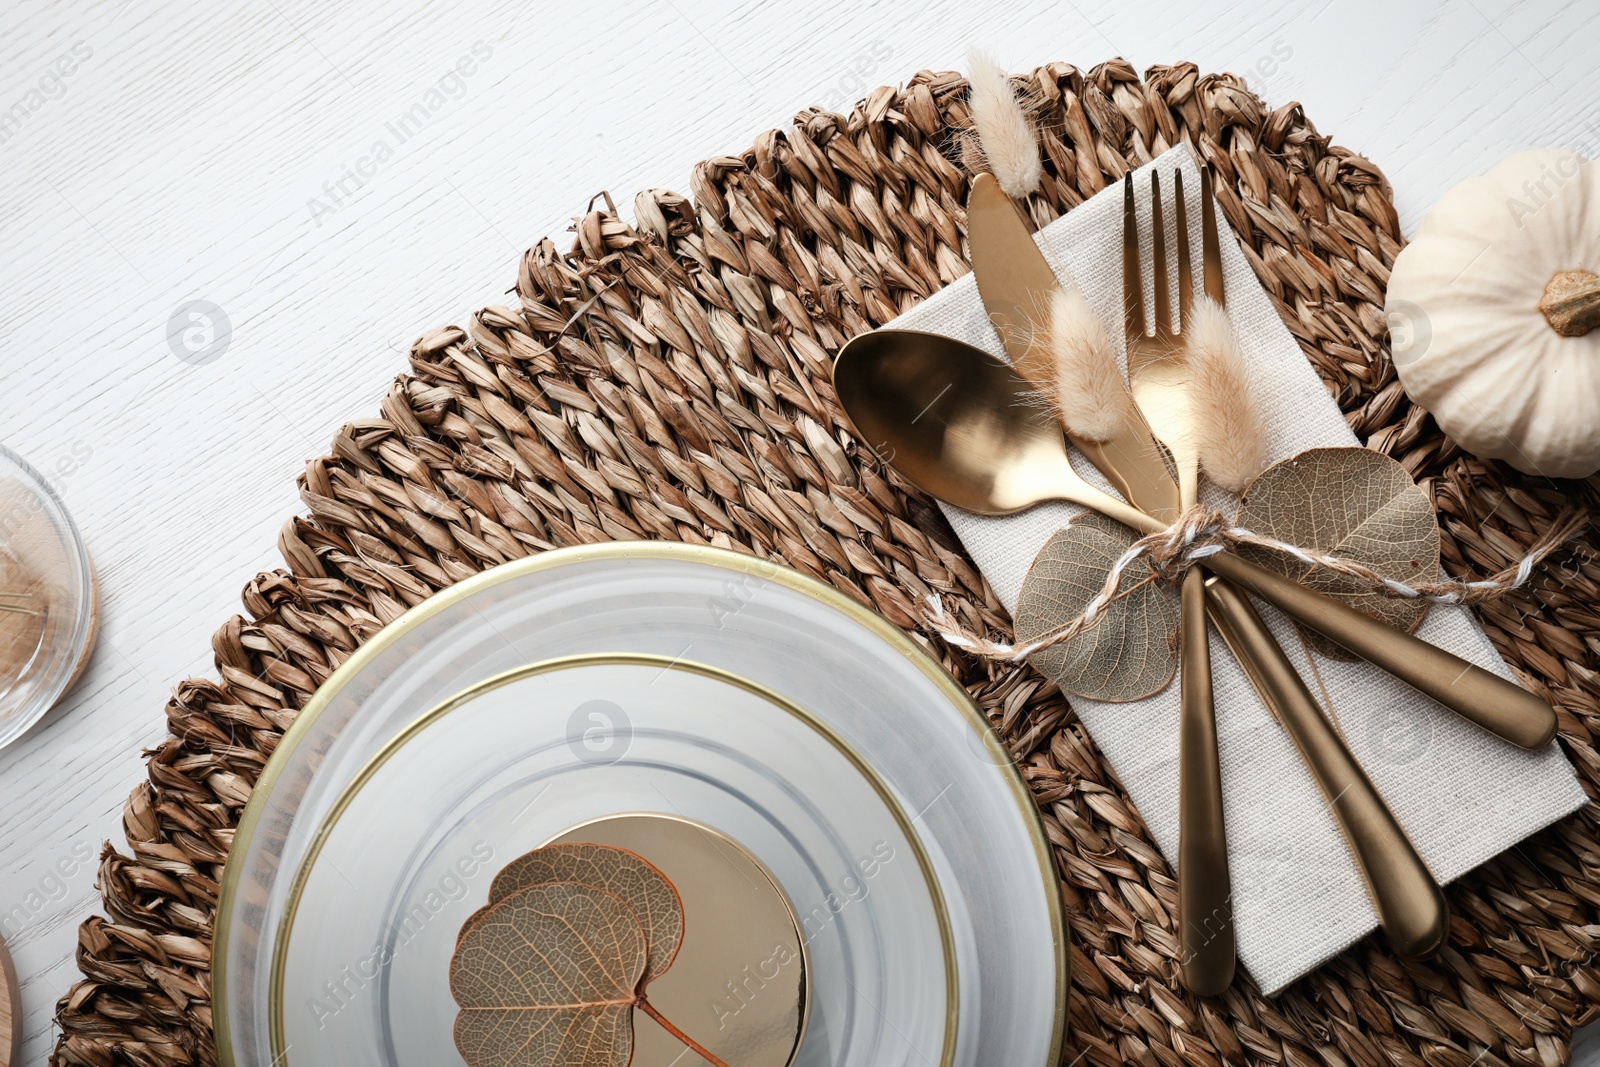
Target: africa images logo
<point>199,332</point>
<point>51,85</point>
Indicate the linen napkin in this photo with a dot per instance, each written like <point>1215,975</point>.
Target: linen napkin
<point>1463,795</point>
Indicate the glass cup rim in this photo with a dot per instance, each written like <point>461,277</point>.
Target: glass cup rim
<point>71,656</point>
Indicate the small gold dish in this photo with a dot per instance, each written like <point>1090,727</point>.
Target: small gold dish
<point>740,982</point>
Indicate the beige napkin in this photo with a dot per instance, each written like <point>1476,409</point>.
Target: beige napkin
<point>1462,794</point>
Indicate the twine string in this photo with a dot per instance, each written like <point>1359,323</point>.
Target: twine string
<point>1200,532</point>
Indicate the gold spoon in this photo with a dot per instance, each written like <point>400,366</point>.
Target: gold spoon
<point>969,430</point>
<point>964,427</point>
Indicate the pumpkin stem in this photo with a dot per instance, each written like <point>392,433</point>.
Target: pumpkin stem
<point>1571,302</point>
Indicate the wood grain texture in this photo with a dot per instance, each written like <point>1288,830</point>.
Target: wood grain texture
<point>231,155</point>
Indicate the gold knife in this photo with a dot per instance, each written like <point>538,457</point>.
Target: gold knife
<point>1016,285</point>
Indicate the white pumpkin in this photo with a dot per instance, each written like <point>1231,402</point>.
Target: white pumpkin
<point>1490,310</point>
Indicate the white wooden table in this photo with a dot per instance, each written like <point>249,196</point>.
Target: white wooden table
<point>259,157</point>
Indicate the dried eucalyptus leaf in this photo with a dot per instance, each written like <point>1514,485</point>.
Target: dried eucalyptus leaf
<point>548,978</point>
<point>1354,503</point>
<point>548,973</point>
<point>1132,652</point>
<point>615,870</point>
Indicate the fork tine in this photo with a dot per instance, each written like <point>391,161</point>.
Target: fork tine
<point>1185,268</point>
<point>1132,276</point>
<point>1158,264</point>
<point>1210,248</point>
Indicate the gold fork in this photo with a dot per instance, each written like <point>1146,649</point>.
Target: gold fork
<point>1157,376</point>
<point>1408,899</point>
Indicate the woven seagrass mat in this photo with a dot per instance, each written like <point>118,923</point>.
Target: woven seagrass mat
<point>669,380</point>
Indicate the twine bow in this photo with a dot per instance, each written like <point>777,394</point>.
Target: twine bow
<point>1200,532</point>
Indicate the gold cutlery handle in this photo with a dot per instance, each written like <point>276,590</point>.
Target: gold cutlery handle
<point>1503,708</point>
<point>1205,891</point>
<point>1409,902</point>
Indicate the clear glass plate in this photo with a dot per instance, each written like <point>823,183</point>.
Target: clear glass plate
<point>863,678</point>
<point>409,850</point>
<point>47,598</point>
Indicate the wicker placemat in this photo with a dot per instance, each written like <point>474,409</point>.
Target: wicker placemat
<point>670,380</point>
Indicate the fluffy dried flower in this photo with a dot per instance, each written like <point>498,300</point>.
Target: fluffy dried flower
<point>1004,133</point>
<point>1227,424</point>
<point>1089,392</point>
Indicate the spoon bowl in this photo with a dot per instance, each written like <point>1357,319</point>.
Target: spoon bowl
<point>961,425</point>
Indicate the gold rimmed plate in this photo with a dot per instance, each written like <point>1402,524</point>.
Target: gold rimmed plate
<point>855,673</point>
<point>407,853</point>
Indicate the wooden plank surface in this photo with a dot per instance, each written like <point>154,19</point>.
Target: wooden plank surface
<point>339,179</point>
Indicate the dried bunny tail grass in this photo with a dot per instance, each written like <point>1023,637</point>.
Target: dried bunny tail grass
<point>1089,392</point>
<point>1004,133</point>
<point>1232,450</point>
